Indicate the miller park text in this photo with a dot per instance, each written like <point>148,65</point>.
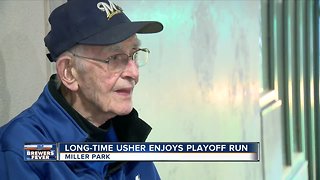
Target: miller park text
<point>91,156</point>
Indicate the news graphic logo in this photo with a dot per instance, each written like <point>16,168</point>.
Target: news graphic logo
<point>40,152</point>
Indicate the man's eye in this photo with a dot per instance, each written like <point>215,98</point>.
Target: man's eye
<point>112,58</point>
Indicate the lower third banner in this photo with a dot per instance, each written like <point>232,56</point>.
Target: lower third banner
<point>183,152</point>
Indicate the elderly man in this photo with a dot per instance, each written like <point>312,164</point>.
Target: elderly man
<point>97,55</point>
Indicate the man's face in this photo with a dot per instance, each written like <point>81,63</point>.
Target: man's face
<point>102,91</point>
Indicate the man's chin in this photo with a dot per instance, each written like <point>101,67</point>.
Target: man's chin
<point>124,111</point>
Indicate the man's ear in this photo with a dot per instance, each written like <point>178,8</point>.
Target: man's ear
<point>66,72</point>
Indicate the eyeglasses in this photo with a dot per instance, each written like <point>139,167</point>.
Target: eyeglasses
<point>119,62</point>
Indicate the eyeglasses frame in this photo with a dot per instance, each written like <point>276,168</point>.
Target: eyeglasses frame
<point>107,60</point>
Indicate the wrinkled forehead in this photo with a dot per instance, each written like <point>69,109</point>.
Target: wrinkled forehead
<point>131,43</point>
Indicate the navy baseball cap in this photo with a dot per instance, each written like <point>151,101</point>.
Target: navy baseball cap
<point>91,22</point>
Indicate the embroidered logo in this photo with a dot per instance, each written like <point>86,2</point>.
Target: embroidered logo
<point>137,177</point>
<point>111,9</point>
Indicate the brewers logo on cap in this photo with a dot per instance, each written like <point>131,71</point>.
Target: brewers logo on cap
<point>111,9</point>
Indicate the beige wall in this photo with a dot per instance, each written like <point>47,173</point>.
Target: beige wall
<point>23,68</point>
<point>202,83</point>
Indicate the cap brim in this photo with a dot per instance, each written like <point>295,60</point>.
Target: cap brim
<point>122,32</point>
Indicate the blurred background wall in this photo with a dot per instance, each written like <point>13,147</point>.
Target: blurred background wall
<point>23,70</point>
<point>203,79</point>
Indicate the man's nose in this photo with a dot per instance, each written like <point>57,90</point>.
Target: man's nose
<point>131,71</point>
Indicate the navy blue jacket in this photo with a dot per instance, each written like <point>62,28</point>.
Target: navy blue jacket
<point>47,121</point>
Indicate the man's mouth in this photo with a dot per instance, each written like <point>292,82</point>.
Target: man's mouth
<point>124,91</point>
